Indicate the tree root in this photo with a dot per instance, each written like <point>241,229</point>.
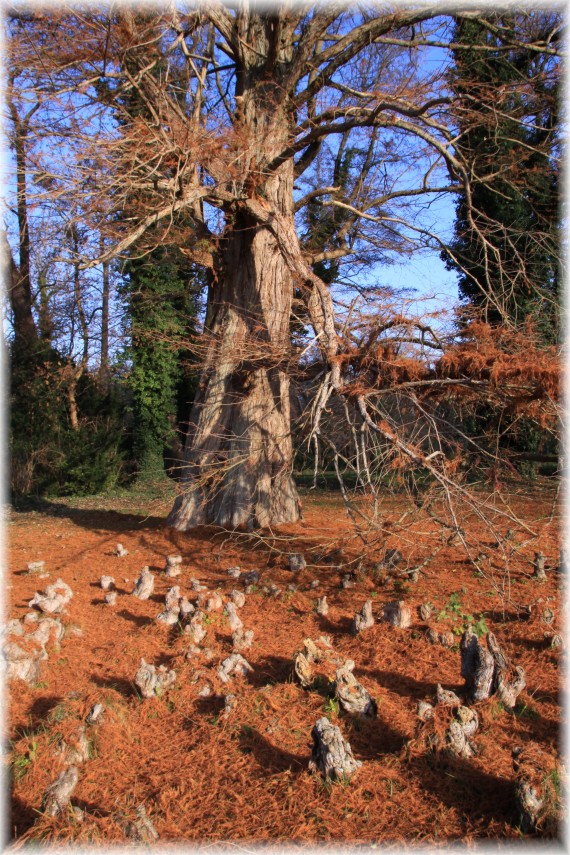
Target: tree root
<point>363,619</point>
<point>144,586</point>
<point>331,754</point>
<point>153,681</point>
<point>398,614</point>
<point>353,697</point>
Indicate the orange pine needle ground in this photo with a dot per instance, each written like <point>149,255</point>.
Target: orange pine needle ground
<point>205,778</point>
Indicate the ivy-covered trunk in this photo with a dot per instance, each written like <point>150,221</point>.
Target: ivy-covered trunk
<point>238,454</point>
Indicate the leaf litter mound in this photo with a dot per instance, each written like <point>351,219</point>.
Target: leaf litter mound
<point>187,764</point>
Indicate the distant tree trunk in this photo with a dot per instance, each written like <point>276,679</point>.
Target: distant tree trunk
<point>45,319</point>
<point>104,367</point>
<point>20,283</point>
<point>76,371</point>
<point>19,296</point>
<point>238,455</point>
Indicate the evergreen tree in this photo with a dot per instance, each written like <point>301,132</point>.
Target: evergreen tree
<point>507,254</point>
<point>162,302</point>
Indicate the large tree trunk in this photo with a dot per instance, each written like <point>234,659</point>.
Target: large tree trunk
<point>238,455</point>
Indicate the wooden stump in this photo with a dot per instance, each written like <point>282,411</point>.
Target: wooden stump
<point>48,629</point>
<point>508,692</point>
<point>425,711</point>
<point>230,703</point>
<point>477,667</point>
<point>468,719</point>
<point>507,689</point>
<point>457,742</point>
<point>186,608</point>
<point>78,752</point>
<point>447,639</point>
<point>57,796</point>
<point>210,601</point>
<point>539,567</point>
<point>232,616</point>
<point>296,562</point>
<point>36,567</point>
<point>153,681</point>
<point>95,714</point>
<point>53,601</point>
<point>487,671</point>
<point>24,661</point>
<point>398,614</point>
<point>446,698</point>
<point>172,565</point>
<point>144,586</point>
<point>238,599</point>
<point>242,640</point>
<point>234,666</point>
<point>363,619</point>
<point>169,616</point>
<point>331,754</point>
<point>353,697</point>
<point>447,728</point>
<point>172,598</point>
<point>314,656</point>
<point>141,829</point>
<point>195,629</point>
<point>535,788</point>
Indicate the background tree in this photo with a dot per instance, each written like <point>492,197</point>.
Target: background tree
<point>161,292</point>
<point>161,295</point>
<point>65,429</point>
<point>506,246</point>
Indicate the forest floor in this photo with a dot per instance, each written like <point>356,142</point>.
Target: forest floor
<point>244,777</point>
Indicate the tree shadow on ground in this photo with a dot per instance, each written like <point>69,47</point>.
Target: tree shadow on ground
<point>91,808</point>
<point>139,620</point>
<point>498,617</point>
<point>535,644</point>
<point>270,757</point>
<point>167,659</point>
<point>462,786</point>
<point>371,738</point>
<point>22,817</point>
<point>115,521</point>
<point>41,708</point>
<point>211,705</point>
<point>271,669</point>
<point>407,686</point>
<point>342,626</point>
<point>119,684</point>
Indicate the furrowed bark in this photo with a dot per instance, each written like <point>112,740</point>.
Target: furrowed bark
<point>238,454</point>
